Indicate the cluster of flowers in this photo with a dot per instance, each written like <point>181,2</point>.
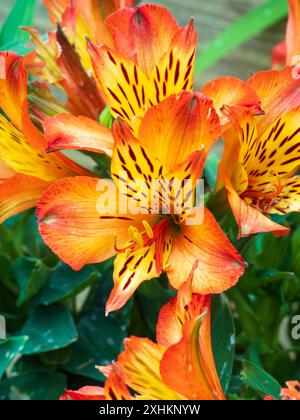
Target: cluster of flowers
<point>140,63</point>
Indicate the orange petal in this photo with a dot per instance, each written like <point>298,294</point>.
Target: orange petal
<point>140,363</point>
<point>42,62</point>
<point>146,261</point>
<point>55,9</point>
<point>129,272</point>
<point>83,97</point>
<point>249,219</point>
<point>5,171</point>
<point>115,387</point>
<point>13,98</point>
<point>22,157</point>
<point>183,307</point>
<point>179,126</point>
<point>276,153</point>
<point>123,82</point>
<point>79,221</point>
<point>19,193</point>
<point>13,90</point>
<point>143,34</point>
<point>133,167</point>
<point>69,132</point>
<point>220,265</point>
<point>174,72</point>
<point>232,92</point>
<point>289,199</point>
<point>84,393</point>
<point>279,93</point>
<point>239,140</point>
<point>292,392</point>
<point>188,367</point>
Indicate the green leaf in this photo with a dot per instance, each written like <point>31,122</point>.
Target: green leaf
<point>259,380</point>
<point>22,14</point>
<point>9,349</point>
<point>65,283</point>
<point>106,118</point>
<point>33,386</point>
<point>223,338</point>
<point>31,276</point>
<point>245,28</point>
<point>100,342</point>
<point>56,357</point>
<point>48,328</point>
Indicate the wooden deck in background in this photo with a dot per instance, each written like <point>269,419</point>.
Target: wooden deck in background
<point>211,18</point>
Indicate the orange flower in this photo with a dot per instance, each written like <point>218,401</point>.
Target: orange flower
<point>146,66</point>
<point>179,367</point>
<point>26,171</point>
<point>288,51</point>
<point>83,223</point>
<point>154,59</point>
<point>291,393</point>
<point>262,155</point>
<point>65,60</point>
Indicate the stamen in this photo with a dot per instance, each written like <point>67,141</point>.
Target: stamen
<point>148,229</point>
<point>130,245</point>
<point>135,236</point>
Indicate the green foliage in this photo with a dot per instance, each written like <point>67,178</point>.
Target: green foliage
<point>22,14</point>
<point>259,380</point>
<point>242,30</point>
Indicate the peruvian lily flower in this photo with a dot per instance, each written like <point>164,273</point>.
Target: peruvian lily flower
<point>290,393</point>
<point>25,169</point>
<point>262,155</point>
<point>154,59</point>
<point>179,366</point>
<point>83,223</point>
<point>146,66</point>
<point>65,61</point>
<point>288,51</point>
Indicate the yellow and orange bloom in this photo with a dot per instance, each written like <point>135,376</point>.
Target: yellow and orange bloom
<point>179,366</point>
<point>266,151</point>
<point>145,66</point>
<point>26,170</point>
<point>83,224</point>
<point>65,61</point>
<point>290,393</point>
<point>154,59</point>
<point>288,51</point>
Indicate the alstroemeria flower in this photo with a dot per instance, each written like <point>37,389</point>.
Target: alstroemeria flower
<point>290,393</point>
<point>179,366</point>
<point>25,169</point>
<point>154,59</point>
<point>288,51</point>
<point>81,227</point>
<point>65,61</point>
<point>261,154</point>
<point>146,66</point>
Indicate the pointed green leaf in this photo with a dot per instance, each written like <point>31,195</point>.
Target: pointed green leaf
<point>9,349</point>
<point>259,380</point>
